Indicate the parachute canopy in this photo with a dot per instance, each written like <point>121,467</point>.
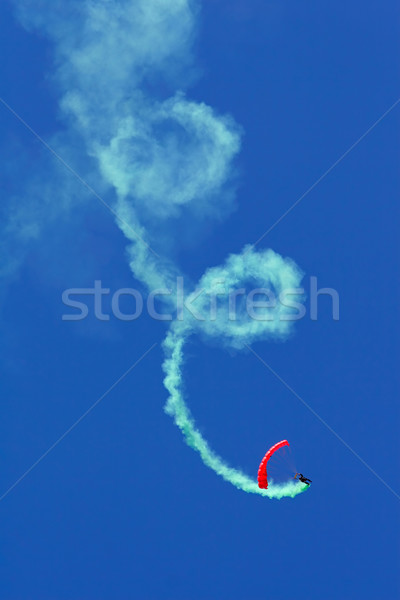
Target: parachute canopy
<point>262,470</point>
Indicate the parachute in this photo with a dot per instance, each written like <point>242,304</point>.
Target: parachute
<point>262,470</point>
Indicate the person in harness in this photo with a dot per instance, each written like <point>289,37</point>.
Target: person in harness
<point>303,479</point>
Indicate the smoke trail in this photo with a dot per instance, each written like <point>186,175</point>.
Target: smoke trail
<point>122,68</point>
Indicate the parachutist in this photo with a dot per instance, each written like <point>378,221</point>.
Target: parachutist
<point>303,479</point>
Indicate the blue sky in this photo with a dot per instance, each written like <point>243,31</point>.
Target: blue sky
<point>122,507</point>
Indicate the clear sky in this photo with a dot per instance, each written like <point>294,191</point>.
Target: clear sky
<point>121,507</point>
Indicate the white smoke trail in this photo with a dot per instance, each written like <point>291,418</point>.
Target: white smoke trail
<point>122,67</point>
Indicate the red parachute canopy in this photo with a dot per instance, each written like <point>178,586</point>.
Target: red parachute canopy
<point>262,470</point>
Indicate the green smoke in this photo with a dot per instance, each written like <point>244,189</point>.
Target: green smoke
<point>123,68</point>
